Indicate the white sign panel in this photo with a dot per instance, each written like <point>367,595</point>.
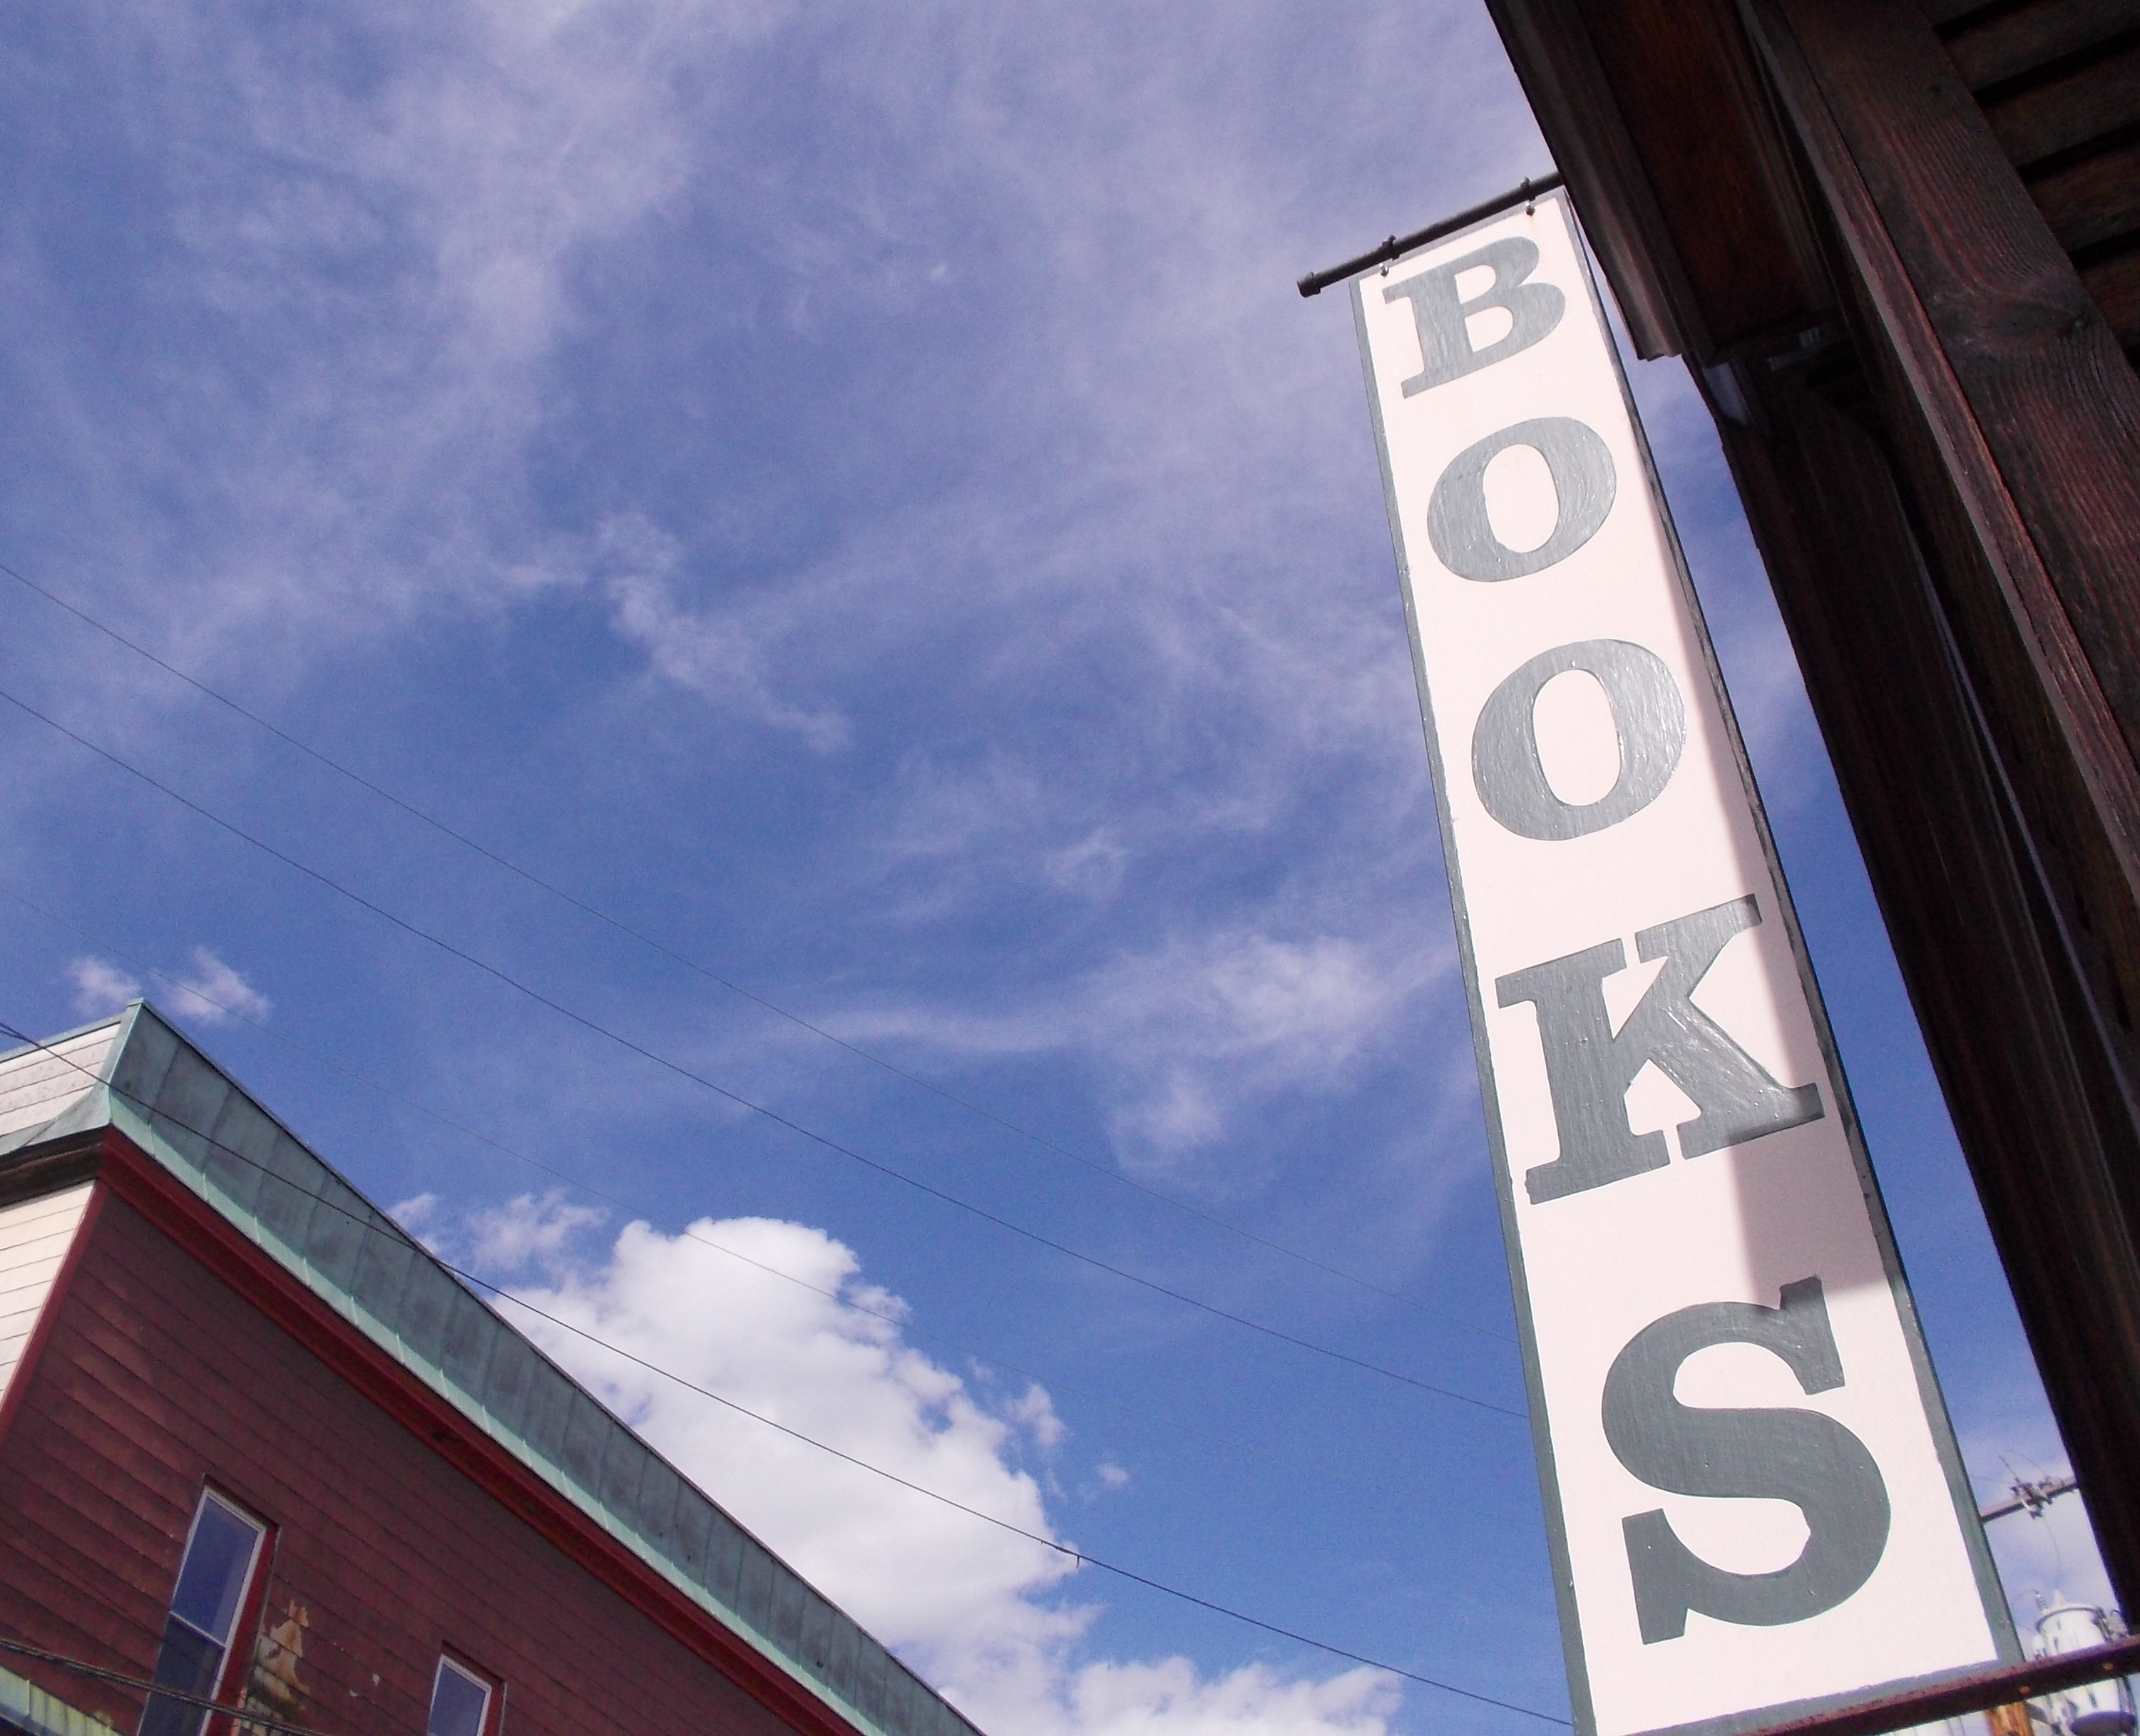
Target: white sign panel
<point>1755,1504</point>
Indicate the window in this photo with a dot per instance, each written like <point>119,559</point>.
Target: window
<point>215,1576</point>
<point>460,1702</point>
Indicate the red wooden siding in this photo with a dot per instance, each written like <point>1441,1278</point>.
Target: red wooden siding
<point>154,1375</point>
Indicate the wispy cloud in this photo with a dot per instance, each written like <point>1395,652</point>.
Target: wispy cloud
<point>1187,1036</point>
<point>854,485</point>
<point>722,656</point>
<point>527,1231</point>
<point>212,993</point>
<point>100,986</point>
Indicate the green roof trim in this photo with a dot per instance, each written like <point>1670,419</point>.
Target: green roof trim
<point>161,1091</point>
<point>25,1706</point>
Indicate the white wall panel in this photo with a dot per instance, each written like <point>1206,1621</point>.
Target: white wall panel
<point>34,1236</point>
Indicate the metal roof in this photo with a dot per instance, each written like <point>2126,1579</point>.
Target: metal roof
<point>139,1074</point>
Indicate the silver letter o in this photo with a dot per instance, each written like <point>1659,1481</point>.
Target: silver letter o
<point>1462,533</point>
<point>1648,715</point>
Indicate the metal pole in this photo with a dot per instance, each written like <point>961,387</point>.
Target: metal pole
<point>1971,1693</point>
<point>1315,283</point>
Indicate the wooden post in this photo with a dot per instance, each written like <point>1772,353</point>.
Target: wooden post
<point>2040,1114</point>
<point>2008,664</point>
<point>1937,436</point>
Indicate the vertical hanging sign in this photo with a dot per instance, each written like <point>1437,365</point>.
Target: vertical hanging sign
<point>1754,1502</point>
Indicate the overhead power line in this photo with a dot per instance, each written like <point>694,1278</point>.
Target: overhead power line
<point>1073,1553</point>
<point>588,908</point>
<point>371,1227</point>
<point>595,1027</point>
<point>250,1719</point>
<point>580,1184</point>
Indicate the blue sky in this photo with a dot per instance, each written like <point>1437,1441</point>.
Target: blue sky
<point>852,493</point>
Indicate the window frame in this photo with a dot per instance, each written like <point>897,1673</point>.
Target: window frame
<point>244,1615</point>
<point>493,1686</point>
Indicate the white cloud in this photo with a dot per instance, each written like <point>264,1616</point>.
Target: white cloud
<point>1034,1410</point>
<point>526,1230</point>
<point>100,988</point>
<point>916,1573</point>
<point>213,993</point>
<point>1171,1697</point>
<point>978,1610</point>
<point>422,1215</point>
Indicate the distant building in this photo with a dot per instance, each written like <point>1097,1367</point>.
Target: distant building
<point>258,1446</point>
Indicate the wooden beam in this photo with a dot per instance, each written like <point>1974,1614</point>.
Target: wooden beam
<point>2008,365</point>
<point>1725,180</point>
<point>2038,1115</point>
<point>1657,114</point>
<point>1952,523</point>
<point>1587,132</point>
<point>2013,424</point>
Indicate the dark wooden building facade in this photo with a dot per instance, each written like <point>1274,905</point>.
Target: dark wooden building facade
<point>256,1444</point>
<point>1898,241</point>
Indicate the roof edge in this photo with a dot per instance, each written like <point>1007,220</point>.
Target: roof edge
<point>253,1146</point>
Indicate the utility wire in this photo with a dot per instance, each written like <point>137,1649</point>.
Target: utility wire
<point>580,1185</point>
<point>157,1690</point>
<point>596,1028</point>
<point>689,963</point>
<point>1075,1554</point>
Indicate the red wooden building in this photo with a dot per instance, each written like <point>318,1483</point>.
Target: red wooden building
<point>258,1446</point>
